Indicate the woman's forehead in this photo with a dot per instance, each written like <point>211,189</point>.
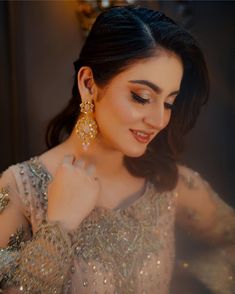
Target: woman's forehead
<point>159,69</point>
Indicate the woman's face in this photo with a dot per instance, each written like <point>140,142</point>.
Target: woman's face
<point>136,104</point>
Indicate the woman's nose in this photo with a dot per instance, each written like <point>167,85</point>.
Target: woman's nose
<point>156,117</point>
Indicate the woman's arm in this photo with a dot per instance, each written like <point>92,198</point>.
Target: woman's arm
<point>38,263</point>
<point>207,218</point>
<point>201,212</point>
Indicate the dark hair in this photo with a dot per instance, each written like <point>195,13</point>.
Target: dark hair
<point>119,37</point>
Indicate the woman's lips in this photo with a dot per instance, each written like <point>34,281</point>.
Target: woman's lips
<point>141,137</point>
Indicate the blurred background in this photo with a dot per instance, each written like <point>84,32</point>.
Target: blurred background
<point>39,40</point>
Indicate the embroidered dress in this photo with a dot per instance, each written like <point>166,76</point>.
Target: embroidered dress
<point>129,249</point>
<point>126,250</point>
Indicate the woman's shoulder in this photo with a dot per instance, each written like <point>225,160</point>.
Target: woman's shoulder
<point>26,171</point>
<point>8,188</point>
<point>28,181</point>
<point>51,158</point>
<point>194,192</point>
<point>11,175</point>
<point>187,176</point>
<point>15,186</point>
<point>41,165</point>
<point>189,182</point>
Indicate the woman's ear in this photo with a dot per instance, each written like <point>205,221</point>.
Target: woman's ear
<point>86,84</point>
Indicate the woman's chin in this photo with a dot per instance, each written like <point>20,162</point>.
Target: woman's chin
<point>135,152</point>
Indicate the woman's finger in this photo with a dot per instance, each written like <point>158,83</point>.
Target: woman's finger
<point>68,159</point>
<point>90,170</point>
<point>79,163</point>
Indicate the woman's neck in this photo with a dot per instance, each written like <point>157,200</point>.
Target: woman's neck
<point>108,162</point>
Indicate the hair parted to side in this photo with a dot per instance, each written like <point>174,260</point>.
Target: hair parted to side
<point>119,37</point>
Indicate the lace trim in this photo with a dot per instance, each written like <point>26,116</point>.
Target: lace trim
<point>4,198</point>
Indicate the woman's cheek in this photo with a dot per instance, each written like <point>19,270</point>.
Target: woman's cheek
<point>168,118</point>
<point>123,110</point>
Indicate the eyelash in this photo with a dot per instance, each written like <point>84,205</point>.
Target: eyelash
<point>143,101</point>
<point>139,99</point>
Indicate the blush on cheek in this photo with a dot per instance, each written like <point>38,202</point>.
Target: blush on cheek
<point>123,111</point>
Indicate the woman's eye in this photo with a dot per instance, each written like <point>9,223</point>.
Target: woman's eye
<point>169,106</point>
<point>139,99</point>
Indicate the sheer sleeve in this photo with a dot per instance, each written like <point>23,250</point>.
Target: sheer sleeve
<point>207,218</point>
<point>36,263</point>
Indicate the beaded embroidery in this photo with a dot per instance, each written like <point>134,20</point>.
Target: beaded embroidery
<point>44,261</point>
<point>113,251</point>
<point>123,249</point>
<point>189,180</point>
<point>4,199</point>
<point>9,255</point>
<point>35,179</point>
<point>122,242</point>
<point>15,240</point>
<point>40,179</point>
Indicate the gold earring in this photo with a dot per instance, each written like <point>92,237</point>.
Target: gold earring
<point>86,126</point>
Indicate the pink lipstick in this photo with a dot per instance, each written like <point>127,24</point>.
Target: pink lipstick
<point>140,136</point>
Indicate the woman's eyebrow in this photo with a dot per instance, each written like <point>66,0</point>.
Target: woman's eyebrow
<point>153,86</point>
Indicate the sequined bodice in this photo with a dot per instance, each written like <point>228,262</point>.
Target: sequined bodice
<point>129,250</point>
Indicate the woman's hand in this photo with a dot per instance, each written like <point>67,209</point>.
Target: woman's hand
<point>73,193</point>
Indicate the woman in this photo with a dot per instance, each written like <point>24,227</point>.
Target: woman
<point>96,213</point>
